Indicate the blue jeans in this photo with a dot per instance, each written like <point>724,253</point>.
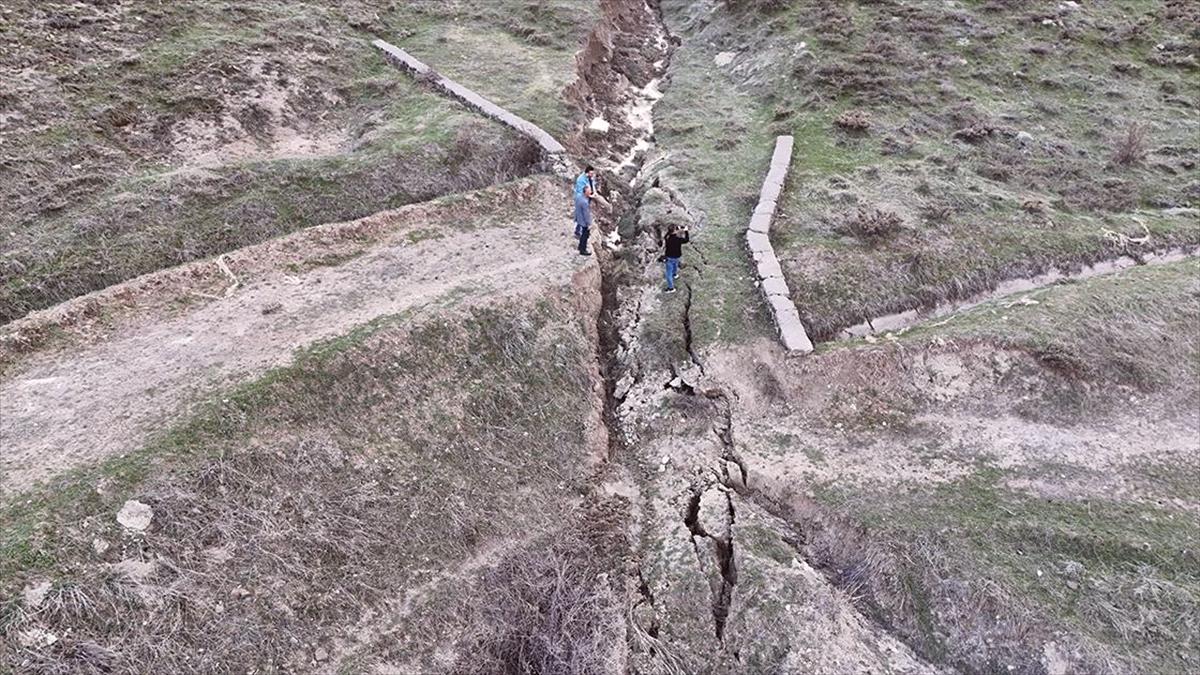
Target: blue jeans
<point>672,271</point>
<point>583,215</point>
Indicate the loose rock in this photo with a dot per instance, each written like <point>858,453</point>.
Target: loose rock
<point>35,594</point>
<point>135,515</point>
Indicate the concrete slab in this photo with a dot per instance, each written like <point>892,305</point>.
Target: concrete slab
<point>760,222</point>
<point>776,286</point>
<point>794,337</point>
<point>414,66</point>
<point>782,307</point>
<point>783,151</point>
<point>770,273</point>
<point>768,267</point>
<point>758,242</point>
<point>791,329</point>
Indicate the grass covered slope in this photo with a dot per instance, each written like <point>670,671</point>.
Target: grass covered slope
<point>1014,489</point>
<point>141,135</point>
<point>295,506</point>
<point>939,147</point>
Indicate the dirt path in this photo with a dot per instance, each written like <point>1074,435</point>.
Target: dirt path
<point>60,410</point>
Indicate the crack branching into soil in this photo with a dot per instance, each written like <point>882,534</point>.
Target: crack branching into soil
<point>724,432</point>
<point>648,598</point>
<point>714,551</point>
<point>710,528</point>
<point>687,329</point>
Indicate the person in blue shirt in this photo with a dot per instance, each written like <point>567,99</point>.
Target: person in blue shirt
<point>585,190</point>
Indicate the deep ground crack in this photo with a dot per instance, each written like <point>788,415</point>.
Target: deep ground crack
<point>687,329</point>
<point>714,546</point>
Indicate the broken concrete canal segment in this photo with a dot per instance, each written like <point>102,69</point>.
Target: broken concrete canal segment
<point>552,150</point>
<point>758,240</point>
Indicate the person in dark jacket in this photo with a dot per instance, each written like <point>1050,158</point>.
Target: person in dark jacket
<point>677,236</point>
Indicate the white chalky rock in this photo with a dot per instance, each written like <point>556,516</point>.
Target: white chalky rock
<point>599,126</point>
<point>35,594</point>
<point>724,58</point>
<point>36,637</point>
<point>135,515</point>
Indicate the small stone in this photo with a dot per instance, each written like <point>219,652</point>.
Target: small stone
<point>599,125</point>
<point>272,308</point>
<point>218,555</point>
<point>138,571</point>
<point>320,655</point>
<point>735,475</point>
<point>724,58</point>
<point>36,637</point>
<point>239,592</point>
<point>35,594</point>
<point>135,515</point>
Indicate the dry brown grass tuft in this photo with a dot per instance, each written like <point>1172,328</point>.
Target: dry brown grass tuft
<point>854,120</point>
<point>873,224</point>
<point>1130,147</point>
<point>975,133</point>
<point>548,608</point>
<point>763,6</point>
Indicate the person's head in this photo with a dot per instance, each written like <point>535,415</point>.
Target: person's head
<point>590,171</point>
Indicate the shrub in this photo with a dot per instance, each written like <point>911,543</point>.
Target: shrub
<point>854,120</point>
<point>1130,147</point>
<point>975,133</point>
<point>873,224</point>
<point>544,609</point>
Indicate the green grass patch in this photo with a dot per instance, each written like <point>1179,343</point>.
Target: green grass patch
<point>1123,575</point>
<point>1135,327</point>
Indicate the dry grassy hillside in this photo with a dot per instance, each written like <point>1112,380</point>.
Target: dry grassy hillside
<point>297,505</point>
<point>940,147</point>
<point>435,439</point>
<point>140,135</point>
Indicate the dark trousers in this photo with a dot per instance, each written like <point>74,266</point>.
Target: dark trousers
<point>584,233</point>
